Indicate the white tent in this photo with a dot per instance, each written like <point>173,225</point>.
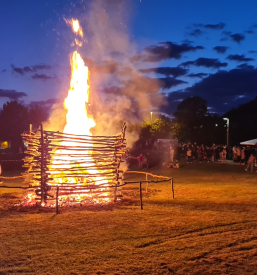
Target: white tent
<point>249,142</point>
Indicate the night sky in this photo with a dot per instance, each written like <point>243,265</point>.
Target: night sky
<point>205,48</point>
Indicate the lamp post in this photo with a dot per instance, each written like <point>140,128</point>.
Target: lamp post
<point>151,117</point>
<point>227,120</point>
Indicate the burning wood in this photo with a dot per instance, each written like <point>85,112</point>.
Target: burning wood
<point>74,160</point>
<point>84,175</point>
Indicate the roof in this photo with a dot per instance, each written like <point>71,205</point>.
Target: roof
<point>249,142</point>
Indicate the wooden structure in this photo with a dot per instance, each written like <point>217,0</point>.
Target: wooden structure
<point>69,169</point>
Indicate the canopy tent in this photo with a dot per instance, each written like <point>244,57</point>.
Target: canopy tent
<point>249,142</point>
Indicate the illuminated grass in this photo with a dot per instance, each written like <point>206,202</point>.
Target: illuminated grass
<point>210,228</point>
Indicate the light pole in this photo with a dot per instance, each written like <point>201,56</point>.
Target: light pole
<point>227,129</point>
<point>151,117</point>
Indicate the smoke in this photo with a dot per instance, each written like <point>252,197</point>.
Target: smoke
<point>118,91</point>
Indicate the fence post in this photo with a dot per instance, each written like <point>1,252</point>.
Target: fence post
<point>57,203</point>
<point>115,194</point>
<point>140,190</point>
<point>172,188</point>
<point>147,184</point>
<point>42,167</point>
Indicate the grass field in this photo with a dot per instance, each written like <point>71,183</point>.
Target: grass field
<point>209,228</point>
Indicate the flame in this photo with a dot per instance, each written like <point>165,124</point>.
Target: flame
<point>75,26</point>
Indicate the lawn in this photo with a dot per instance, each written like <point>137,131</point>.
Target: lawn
<point>209,228</point>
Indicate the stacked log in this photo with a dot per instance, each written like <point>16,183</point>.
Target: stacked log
<point>83,167</point>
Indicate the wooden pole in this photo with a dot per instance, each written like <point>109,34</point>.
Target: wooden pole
<point>57,204</point>
<point>172,188</point>
<point>115,194</point>
<point>140,190</point>
<point>42,166</point>
<point>147,184</point>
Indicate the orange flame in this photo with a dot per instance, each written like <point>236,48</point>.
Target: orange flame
<point>75,26</point>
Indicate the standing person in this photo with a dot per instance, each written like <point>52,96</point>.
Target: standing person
<point>199,155</point>
<point>224,154</point>
<point>238,152</point>
<point>234,154</point>
<point>189,155</point>
<point>171,154</point>
<point>243,156</point>
<point>140,159</point>
<point>251,162</point>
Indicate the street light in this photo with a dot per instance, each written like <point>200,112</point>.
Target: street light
<point>227,129</point>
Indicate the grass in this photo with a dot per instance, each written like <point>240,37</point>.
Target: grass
<point>210,228</point>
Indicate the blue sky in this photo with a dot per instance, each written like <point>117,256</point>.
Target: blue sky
<point>34,33</point>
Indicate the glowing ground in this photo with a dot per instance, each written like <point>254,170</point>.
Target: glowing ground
<point>210,228</point>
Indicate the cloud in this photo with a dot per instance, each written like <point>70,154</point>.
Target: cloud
<point>220,49</point>
<point>205,62</point>
<point>164,51</point>
<point>12,94</point>
<point>42,77</point>
<point>4,70</point>
<point>245,66</point>
<point>196,33</point>
<point>223,90</point>
<point>252,51</point>
<point>236,37</point>
<point>174,71</point>
<point>218,26</point>
<point>201,75</point>
<point>169,82</point>
<point>239,58</point>
<point>44,103</point>
<point>30,69</point>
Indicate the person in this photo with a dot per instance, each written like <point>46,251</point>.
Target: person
<point>234,154</point>
<point>243,156</point>
<point>199,155</point>
<point>238,152</point>
<point>171,154</point>
<point>139,159</point>
<point>224,154</point>
<point>251,162</point>
<point>189,155</point>
<point>144,163</point>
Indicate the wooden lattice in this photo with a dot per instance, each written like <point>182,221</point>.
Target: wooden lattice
<point>85,168</point>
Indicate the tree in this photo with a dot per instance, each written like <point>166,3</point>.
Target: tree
<point>13,122</point>
<point>159,128</point>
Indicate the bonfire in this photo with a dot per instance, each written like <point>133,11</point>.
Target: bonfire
<point>73,167</point>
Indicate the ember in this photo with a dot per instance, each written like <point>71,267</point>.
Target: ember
<point>82,166</point>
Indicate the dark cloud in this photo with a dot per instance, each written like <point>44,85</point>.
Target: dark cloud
<point>218,26</point>
<point>42,77</point>
<point>30,69</point>
<point>164,51</point>
<point>220,49</point>
<point>169,82</point>
<point>239,58</point>
<point>205,62</point>
<point>44,103</point>
<point>236,37</point>
<point>4,70</point>
<point>201,75</point>
<point>250,32</point>
<point>12,94</point>
<point>196,33</point>
<point>223,90</point>
<point>252,51</point>
<point>245,66</point>
<point>174,71</point>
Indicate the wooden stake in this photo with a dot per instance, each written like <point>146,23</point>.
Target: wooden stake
<point>42,166</point>
<point>172,188</point>
<point>140,190</point>
<point>56,204</point>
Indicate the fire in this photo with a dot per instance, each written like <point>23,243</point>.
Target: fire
<point>75,26</point>
<point>78,122</point>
